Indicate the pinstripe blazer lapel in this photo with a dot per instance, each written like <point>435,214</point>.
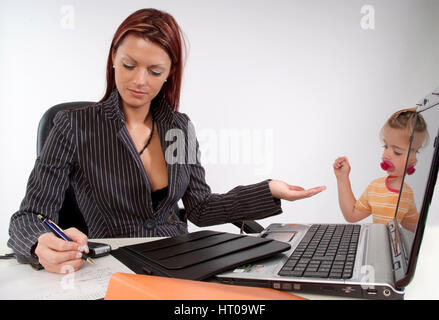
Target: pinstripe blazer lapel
<point>124,136</point>
<point>164,117</point>
<point>165,121</point>
<point>112,108</point>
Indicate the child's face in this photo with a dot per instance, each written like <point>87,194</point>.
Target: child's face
<point>396,145</point>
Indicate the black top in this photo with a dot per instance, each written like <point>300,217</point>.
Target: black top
<point>157,196</point>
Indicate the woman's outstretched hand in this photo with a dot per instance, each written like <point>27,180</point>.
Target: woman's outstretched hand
<point>282,190</point>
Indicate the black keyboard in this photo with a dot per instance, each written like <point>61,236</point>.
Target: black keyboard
<point>326,251</point>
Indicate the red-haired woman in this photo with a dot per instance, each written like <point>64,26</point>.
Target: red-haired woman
<point>120,156</point>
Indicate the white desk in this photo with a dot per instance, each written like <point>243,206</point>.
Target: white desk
<point>423,286</point>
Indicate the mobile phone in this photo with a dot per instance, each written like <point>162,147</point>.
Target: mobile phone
<point>97,249</point>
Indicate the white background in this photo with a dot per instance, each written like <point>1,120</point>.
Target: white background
<point>302,79</point>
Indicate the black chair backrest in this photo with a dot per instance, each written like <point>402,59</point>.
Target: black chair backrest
<point>69,214</point>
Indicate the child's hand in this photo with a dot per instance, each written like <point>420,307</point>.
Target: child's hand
<point>342,167</point>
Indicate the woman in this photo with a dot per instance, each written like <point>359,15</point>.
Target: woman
<point>118,157</point>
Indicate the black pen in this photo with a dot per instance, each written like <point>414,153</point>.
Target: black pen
<point>60,234</point>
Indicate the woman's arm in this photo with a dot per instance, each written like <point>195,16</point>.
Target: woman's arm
<point>44,195</point>
<point>249,202</point>
<point>204,208</point>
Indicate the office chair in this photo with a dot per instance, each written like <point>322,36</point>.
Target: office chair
<point>69,214</point>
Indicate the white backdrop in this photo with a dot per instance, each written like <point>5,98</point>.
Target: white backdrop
<point>294,83</point>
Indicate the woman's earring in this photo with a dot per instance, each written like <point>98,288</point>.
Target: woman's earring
<point>114,67</point>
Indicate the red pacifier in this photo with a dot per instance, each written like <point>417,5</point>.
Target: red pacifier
<point>411,169</point>
<point>386,165</point>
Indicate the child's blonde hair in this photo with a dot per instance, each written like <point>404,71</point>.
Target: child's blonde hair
<point>404,119</point>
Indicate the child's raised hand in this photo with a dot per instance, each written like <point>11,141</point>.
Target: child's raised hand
<point>341,167</point>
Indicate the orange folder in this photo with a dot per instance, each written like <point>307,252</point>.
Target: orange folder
<point>124,286</point>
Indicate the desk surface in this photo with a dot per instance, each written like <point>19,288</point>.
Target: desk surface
<point>423,286</point>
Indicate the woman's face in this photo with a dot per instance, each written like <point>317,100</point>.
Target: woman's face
<point>396,146</point>
<point>141,68</point>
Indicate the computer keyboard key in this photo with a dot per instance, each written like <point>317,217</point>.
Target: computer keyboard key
<point>296,256</point>
<point>335,275</point>
<point>297,273</point>
<point>291,263</point>
<point>304,261</point>
<point>316,274</point>
<point>323,258</point>
<point>340,257</point>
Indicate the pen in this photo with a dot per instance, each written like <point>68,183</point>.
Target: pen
<point>60,234</point>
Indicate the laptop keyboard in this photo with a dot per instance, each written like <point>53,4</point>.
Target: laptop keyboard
<point>326,251</point>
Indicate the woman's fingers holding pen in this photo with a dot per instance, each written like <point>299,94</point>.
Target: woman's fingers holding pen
<point>78,243</point>
<point>54,254</point>
<point>78,237</point>
<point>60,256</point>
<point>54,261</point>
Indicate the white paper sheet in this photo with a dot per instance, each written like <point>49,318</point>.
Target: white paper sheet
<point>18,281</point>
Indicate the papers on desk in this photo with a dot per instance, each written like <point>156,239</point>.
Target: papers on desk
<point>20,281</point>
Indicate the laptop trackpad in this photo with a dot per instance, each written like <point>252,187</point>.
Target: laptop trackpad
<point>284,236</point>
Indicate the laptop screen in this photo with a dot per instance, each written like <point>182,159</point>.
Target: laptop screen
<point>416,192</point>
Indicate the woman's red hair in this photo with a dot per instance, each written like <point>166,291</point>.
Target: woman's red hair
<point>161,28</point>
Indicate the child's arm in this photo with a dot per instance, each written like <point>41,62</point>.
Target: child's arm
<point>346,197</point>
<point>410,220</point>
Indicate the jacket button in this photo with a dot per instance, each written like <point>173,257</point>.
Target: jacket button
<point>149,224</point>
